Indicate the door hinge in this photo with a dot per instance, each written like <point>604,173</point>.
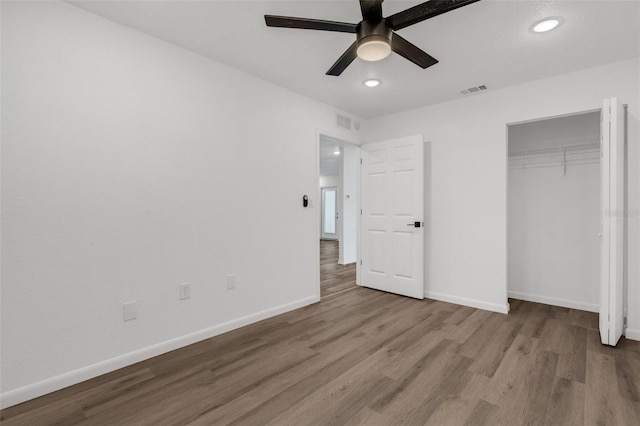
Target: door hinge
<point>360,212</point>
<point>361,161</point>
<point>360,262</point>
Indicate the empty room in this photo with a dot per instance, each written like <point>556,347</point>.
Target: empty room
<point>320,212</point>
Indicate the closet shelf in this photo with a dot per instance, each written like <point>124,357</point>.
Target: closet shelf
<point>561,156</point>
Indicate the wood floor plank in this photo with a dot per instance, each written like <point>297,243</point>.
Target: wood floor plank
<point>300,389</point>
<point>490,351</point>
<point>400,363</point>
<point>536,320</point>
<point>459,315</point>
<point>226,414</point>
<point>340,399</point>
<point>405,400</point>
<point>469,326</point>
<point>508,376</point>
<point>481,414</point>
<point>455,377</point>
<point>627,368</point>
<point>567,403</point>
<point>465,406</point>
<point>573,358</point>
<point>602,403</point>
<point>431,322</point>
<point>368,417</point>
<point>528,401</point>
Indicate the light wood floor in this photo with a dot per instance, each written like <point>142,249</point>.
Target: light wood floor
<point>334,278</point>
<point>371,358</point>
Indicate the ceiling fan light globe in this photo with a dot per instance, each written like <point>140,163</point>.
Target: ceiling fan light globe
<point>373,50</point>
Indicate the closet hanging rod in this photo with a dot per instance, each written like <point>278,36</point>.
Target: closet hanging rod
<point>557,149</point>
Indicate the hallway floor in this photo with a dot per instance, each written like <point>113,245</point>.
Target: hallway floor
<point>334,278</point>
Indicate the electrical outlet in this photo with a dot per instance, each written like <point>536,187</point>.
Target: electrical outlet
<point>129,310</point>
<point>231,281</point>
<point>184,291</point>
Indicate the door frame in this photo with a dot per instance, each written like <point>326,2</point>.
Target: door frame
<point>506,136</point>
<point>625,199</point>
<point>354,141</point>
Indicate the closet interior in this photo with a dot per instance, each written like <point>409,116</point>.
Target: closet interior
<point>554,211</point>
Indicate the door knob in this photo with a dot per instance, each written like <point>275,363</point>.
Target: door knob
<point>414,224</point>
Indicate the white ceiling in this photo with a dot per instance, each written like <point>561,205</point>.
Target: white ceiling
<point>488,42</point>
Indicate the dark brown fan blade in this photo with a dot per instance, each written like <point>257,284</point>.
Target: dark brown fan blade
<point>411,52</point>
<point>371,10</point>
<point>424,11</point>
<point>309,24</point>
<point>344,61</point>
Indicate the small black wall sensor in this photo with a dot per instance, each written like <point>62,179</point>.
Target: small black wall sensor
<point>305,201</point>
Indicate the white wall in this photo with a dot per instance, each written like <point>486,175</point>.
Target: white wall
<point>554,219</point>
<point>329,181</point>
<point>348,204</point>
<point>554,132</point>
<point>130,165</point>
<point>466,247</point>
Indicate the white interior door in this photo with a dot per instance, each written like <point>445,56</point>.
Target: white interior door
<point>612,235</point>
<point>391,226</point>
<point>330,213</point>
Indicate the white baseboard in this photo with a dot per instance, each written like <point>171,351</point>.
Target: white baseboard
<point>632,333</point>
<point>494,307</point>
<point>591,307</point>
<point>25,393</point>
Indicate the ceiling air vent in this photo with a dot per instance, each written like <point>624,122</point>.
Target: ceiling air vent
<point>473,89</point>
<point>344,122</point>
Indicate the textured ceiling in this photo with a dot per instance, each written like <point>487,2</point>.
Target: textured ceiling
<point>488,42</point>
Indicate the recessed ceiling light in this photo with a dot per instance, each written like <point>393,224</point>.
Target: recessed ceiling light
<point>337,151</point>
<point>546,25</point>
<point>372,82</point>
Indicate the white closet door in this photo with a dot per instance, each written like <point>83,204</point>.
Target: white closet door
<point>613,217</point>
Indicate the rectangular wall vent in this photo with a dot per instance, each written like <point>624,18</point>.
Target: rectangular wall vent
<point>474,89</point>
<point>344,122</point>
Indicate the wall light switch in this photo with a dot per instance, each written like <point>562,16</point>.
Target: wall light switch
<point>129,310</point>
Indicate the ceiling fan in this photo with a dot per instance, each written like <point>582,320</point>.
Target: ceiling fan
<point>375,34</point>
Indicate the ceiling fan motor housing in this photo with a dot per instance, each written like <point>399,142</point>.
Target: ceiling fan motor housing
<point>370,31</point>
<point>374,40</point>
